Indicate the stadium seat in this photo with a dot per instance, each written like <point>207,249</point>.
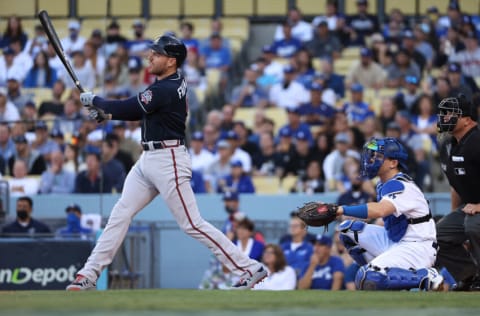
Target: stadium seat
<point>278,115</point>
<point>198,8</point>
<point>471,7</point>
<point>440,4</point>
<point>164,8</point>
<point>236,27</point>
<point>29,26</point>
<point>246,115</point>
<point>352,52</point>
<point>92,8</point>
<point>312,7</point>
<point>213,79</point>
<point>287,183</point>
<point>351,7</point>
<point>90,24</point>
<point>61,26</point>
<point>126,8</point>
<point>342,66</point>
<point>201,27</point>
<point>271,7</point>
<point>266,184</point>
<point>39,94</point>
<point>238,8</point>
<point>59,8</point>
<point>22,8</point>
<point>126,25</point>
<point>158,26</point>
<point>408,7</point>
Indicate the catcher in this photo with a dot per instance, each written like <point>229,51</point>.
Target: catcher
<point>400,254</point>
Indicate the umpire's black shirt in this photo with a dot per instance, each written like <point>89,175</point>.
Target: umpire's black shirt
<point>461,163</point>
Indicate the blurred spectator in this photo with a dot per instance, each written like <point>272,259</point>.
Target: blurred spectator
<point>15,93</point>
<point>394,130</point>
<point>244,232</point>
<point>322,145</point>
<point>194,75</point>
<point>201,157</point>
<point>288,93</point>
<point>122,155</point>
<point>311,182</point>
<point>468,58</point>
<point>316,112</point>
<point>331,16</point>
<point>8,111</point>
<point>93,179</point>
<point>220,167</point>
<point>74,229</point>
<point>288,45</point>
<point>237,180</point>
<point>402,66</point>
<point>43,144</point>
<point>34,160</point>
<point>13,31</point>
<point>238,153</point>
<point>325,271</point>
<point>139,45</point>
<point>272,69</point>
<point>266,160</point>
<point>422,44</point>
<point>55,104</point>
<point>303,62</point>
<point>7,146</point>
<point>24,223</point>
<point>54,61</point>
<point>7,65</point>
<point>95,60</point>
<point>407,99</point>
<point>72,158</point>
<point>449,45</point>
<point>388,110</point>
<point>366,72</point>
<point>285,150</point>
<point>216,56</point>
<point>409,42</point>
<point>20,184</point>
<point>362,24</point>
<point>197,182</point>
<point>394,26</point>
<point>333,163</point>
<point>301,157</point>
<point>360,190</point>
<point>295,124</point>
<point>116,71</point>
<point>451,20</point>
<point>249,93</point>
<point>324,43</point>
<point>297,248</point>
<point>71,119</point>
<point>58,137</point>
<point>113,38</point>
<point>83,70</point>
<point>112,167</point>
<point>187,29</point>
<point>331,80</point>
<point>227,115</point>
<point>441,91</point>
<point>357,110</point>
<point>301,29</point>
<point>351,267</point>
<point>41,75</point>
<point>425,122</point>
<point>211,135</point>
<point>280,275</point>
<point>22,61</point>
<point>457,81</point>
<point>55,179</point>
<point>74,41</point>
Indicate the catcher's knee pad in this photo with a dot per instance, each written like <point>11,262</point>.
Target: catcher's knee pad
<point>374,278</point>
<point>346,229</point>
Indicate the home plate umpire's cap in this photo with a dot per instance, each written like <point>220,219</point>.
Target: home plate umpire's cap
<point>170,46</point>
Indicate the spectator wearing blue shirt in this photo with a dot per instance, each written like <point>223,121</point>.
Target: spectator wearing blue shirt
<point>216,56</point>
<point>187,29</point>
<point>317,112</point>
<point>237,181</point>
<point>295,124</point>
<point>93,180</point>
<point>197,182</point>
<point>357,110</point>
<point>287,46</point>
<point>139,46</point>
<point>7,146</point>
<point>297,249</point>
<point>330,79</point>
<point>325,272</point>
<point>245,240</point>
<point>74,229</point>
<point>41,75</point>
<point>249,93</point>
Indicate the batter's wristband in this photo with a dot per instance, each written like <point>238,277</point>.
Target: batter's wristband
<point>358,211</point>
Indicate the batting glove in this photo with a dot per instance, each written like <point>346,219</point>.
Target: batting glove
<point>87,98</point>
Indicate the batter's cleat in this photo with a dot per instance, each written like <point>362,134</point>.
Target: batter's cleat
<point>435,280</point>
<point>81,283</point>
<point>247,282</point>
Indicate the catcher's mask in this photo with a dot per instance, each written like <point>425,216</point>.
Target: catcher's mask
<point>376,150</point>
<point>450,110</point>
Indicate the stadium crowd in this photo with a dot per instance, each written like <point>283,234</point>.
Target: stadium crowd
<point>402,70</point>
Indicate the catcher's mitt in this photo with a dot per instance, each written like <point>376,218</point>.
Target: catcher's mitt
<point>317,213</point>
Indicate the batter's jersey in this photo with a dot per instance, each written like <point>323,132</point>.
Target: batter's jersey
<point>409,201</point>
<point>461,163</point>
<point>164,104</point>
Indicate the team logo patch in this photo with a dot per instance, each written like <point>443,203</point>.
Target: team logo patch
<point>146,96</point>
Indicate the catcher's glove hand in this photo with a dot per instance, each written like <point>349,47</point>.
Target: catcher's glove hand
<point>97,114</point>
<point>317,213</point>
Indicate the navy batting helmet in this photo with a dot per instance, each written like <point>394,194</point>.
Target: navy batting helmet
<point>170,46</point>
<point>388,148</point>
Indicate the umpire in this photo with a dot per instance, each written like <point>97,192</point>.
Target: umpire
<point>458,233</point>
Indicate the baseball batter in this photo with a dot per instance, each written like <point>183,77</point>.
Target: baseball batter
<point>400,254</point>
<point>163,168</point>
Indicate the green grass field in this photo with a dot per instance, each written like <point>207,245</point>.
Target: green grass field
<point>194,302</point>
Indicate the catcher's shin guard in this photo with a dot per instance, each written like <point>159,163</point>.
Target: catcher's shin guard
<point>375,278</point>
<point>349,230</point>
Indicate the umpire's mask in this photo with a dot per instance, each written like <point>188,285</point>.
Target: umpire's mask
<point>450,110</point>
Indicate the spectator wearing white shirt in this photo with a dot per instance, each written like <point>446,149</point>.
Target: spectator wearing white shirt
<point>288,93</point>
<point>469,58</point>
<point>201,158</point>
<point>20,184</point>
<point>8,111</point>
<point>73,42</point>
<point>301,29</point>
<point>238,153</point>
<point>280,275</point>
<point>84,71</point>
<point>22,62</point>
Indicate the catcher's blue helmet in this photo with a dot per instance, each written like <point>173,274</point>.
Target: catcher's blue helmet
<point>170,46</point>
<point>388,148</point>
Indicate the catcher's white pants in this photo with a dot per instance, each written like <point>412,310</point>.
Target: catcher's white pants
<point>384,253</point>
<point>166,172</point>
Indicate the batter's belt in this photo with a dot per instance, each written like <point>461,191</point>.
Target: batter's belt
<point>162,144</point>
